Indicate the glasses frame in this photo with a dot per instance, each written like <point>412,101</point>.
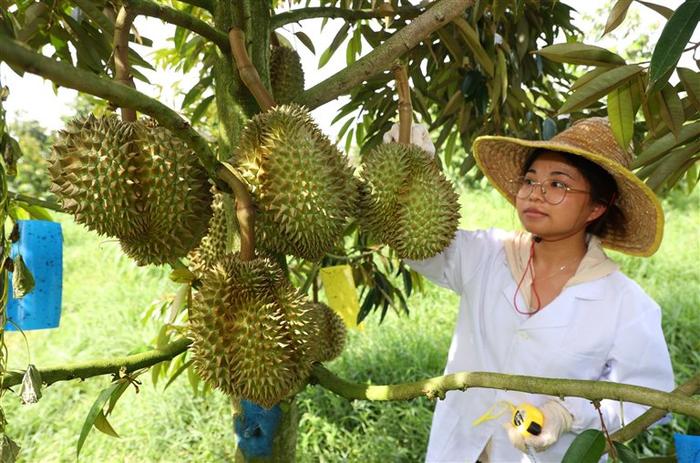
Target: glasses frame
<point>520,183</point>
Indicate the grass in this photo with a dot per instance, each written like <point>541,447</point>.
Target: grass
<point>105,296</point>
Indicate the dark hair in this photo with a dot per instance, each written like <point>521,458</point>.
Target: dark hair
<point>603,190</point>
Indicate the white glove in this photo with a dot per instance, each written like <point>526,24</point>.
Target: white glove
<point>557,421</point>
<point>419,137</point>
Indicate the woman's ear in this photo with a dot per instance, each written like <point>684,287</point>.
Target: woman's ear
<point>597,209</point>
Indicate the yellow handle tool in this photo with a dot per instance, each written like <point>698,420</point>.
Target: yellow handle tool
<point>528,419</point>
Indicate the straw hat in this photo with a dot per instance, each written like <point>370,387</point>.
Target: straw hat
<point>501,159</point>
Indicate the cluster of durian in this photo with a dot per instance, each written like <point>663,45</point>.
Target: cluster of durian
<point>407,202</point>
<point>133,181</point>
<point>302,186</point>
<point>286,75</point>
<point>254,336</point>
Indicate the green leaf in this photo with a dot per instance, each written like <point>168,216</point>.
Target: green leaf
<point>580,53</point>
<point>201,108</point>
<point>503,69</point>
<point>472,38</point>
<point>663,145</point>
<point>624,453</point>
<point>617,15</point>
<point>92,415</point>
<point>588,447</point>
<point>621,114</point>
<point>671,108</point>
<point>337,40</point>
<point>587,77</point>
<point>116,395</point>
<point>598,87</point>
<point>691,84</point>
<point>499,9</point>
<point>306,40</point>
<point>104,426</point>
<point>673,39</point>
<point>177,373</point>
<point>662,10</point>
<point>674,164</point>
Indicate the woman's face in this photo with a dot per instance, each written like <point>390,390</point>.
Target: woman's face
<point>569,217</point>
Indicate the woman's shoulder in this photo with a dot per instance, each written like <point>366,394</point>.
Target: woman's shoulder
<point>630,294</point>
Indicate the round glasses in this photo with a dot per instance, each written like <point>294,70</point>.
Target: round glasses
<point>553,191</point>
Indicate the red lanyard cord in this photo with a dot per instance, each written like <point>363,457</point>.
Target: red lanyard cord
<point>528,268</point>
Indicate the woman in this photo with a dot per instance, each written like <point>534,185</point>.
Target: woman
<point>548,301</point>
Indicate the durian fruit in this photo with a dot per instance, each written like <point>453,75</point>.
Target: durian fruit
<point>286,74</point>
<point>407,202</point>
<point>134,181</point>
<point>332,332</point>
<point>221,238</point>
<point>303,189</point>
<point>252,333</point>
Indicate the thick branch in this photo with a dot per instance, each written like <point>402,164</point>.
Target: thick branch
<point>180,18</point>
<point>405,108</point>
<point>84,81</point>
<point>249,75</point>
<point>653,415</point>
<point>99,367</point>
<point>122,26</point>
<point>35,201</point>
<point>245,212</point>
<point>293,16</point>
<point>438,386</point>
<point>382,57</point>
<point>204,4</point>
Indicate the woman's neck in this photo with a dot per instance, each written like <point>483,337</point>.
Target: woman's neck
<point>555,253</point>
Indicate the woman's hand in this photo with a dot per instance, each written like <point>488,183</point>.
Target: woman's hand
<point>557,420</point>
<point>419,137</point>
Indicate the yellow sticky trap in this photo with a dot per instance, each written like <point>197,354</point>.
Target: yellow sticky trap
<point>341,293</point>
<point>495,411</point>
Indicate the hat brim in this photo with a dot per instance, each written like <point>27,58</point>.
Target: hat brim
<point>501,159</point>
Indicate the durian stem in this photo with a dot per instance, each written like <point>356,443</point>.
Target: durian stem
<point>557,387</point>
<point>245,211</point>
<point>180,18</point>
<point>249,75</point>
<point>383,56</point>
<point>122,26</point>
<point>405,108</point>
<point>98,367</point>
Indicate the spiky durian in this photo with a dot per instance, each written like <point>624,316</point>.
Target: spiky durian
<point>252,333</point>
<point>302,186</point>
<point>221,238</point>
<point>332,332</point>
<point>286,74</point>
<point>134,181</point>
<point>407,202</point>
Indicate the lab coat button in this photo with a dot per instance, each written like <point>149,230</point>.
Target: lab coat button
<point>523,335</point>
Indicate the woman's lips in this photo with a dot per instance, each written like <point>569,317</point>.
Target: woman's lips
<point>531,212</point>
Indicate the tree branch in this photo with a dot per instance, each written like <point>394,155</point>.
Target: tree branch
<point>438,386</point>
<point>300,14</point>
<point>180,18</point>
<point>653,415</point>
<point>382,57</point>
<point>99,367</point>
<point>204,4</point>
<point>122,26</point>
<point>405,108</point>
<point>248,72</point>
<point>68,76</point>
<point>35,201</point>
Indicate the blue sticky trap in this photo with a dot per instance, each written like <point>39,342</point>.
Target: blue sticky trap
<point>41,246</point>
<point>687,448</point>
<point>255,429</point>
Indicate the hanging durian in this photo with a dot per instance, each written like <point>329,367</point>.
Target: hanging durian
<point>134,181</point>
<point>286,74</point>
<point>303,189</point>
<point>253,335</point>
<point>221,238</point>
<point>332,332</point>
<point>407,201</point>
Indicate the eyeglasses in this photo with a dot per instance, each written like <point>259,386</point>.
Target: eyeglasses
<point>553,191</point>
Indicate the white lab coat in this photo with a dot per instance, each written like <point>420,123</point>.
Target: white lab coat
<point>606,329</point>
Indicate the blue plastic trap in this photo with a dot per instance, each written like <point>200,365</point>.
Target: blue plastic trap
<point>41,246</point>
<point>255,429</point>
<point>687,448</point>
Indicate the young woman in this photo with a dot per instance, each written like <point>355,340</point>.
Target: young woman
<point>547,301</point>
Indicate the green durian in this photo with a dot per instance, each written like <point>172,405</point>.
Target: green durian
<point>407,202</point>
<point>252,332</point>
<point>221,238</point>
<point>286,74</point>
<point>332,333</point>
<point>302,186</point>
<point>133,181</point>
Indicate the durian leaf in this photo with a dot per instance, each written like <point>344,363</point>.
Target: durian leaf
<point>471,37</point>
<point>104,426</point>
<point>662,10</point>
<point>587,77</point>
<point>200,109</point>
<point>306,40</point>
<point>337,41</point>
<point>588,447</point>
<point>671,108</point>
<point>581,53</point>
<point>624,453</point>
<point>95,410</point>
<point>691,84</point>
<point>178,372</point>
<point>38,213</point>
<point>116,395</point>
<point>617,15</point>
<point>599,87</point>
<point>663,145</point>
<point>621,114</point>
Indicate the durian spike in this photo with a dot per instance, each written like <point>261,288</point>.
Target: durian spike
<point>249,75</point>
<point>122,26</point>
<point>405,108</point>
<point>245,212</point>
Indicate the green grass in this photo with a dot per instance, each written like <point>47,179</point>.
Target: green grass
<point>105,296</point>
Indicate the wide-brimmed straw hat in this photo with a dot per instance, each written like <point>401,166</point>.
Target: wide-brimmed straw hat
<point>502,159</point>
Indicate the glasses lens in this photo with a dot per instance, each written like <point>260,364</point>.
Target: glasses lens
<point>524,188</point>
<point>554,192</point>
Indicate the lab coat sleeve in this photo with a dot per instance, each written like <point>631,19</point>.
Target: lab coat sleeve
<point>639,356</point>
<point>461,260</point>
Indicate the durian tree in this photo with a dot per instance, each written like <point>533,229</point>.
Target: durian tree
<point>242,194</point>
